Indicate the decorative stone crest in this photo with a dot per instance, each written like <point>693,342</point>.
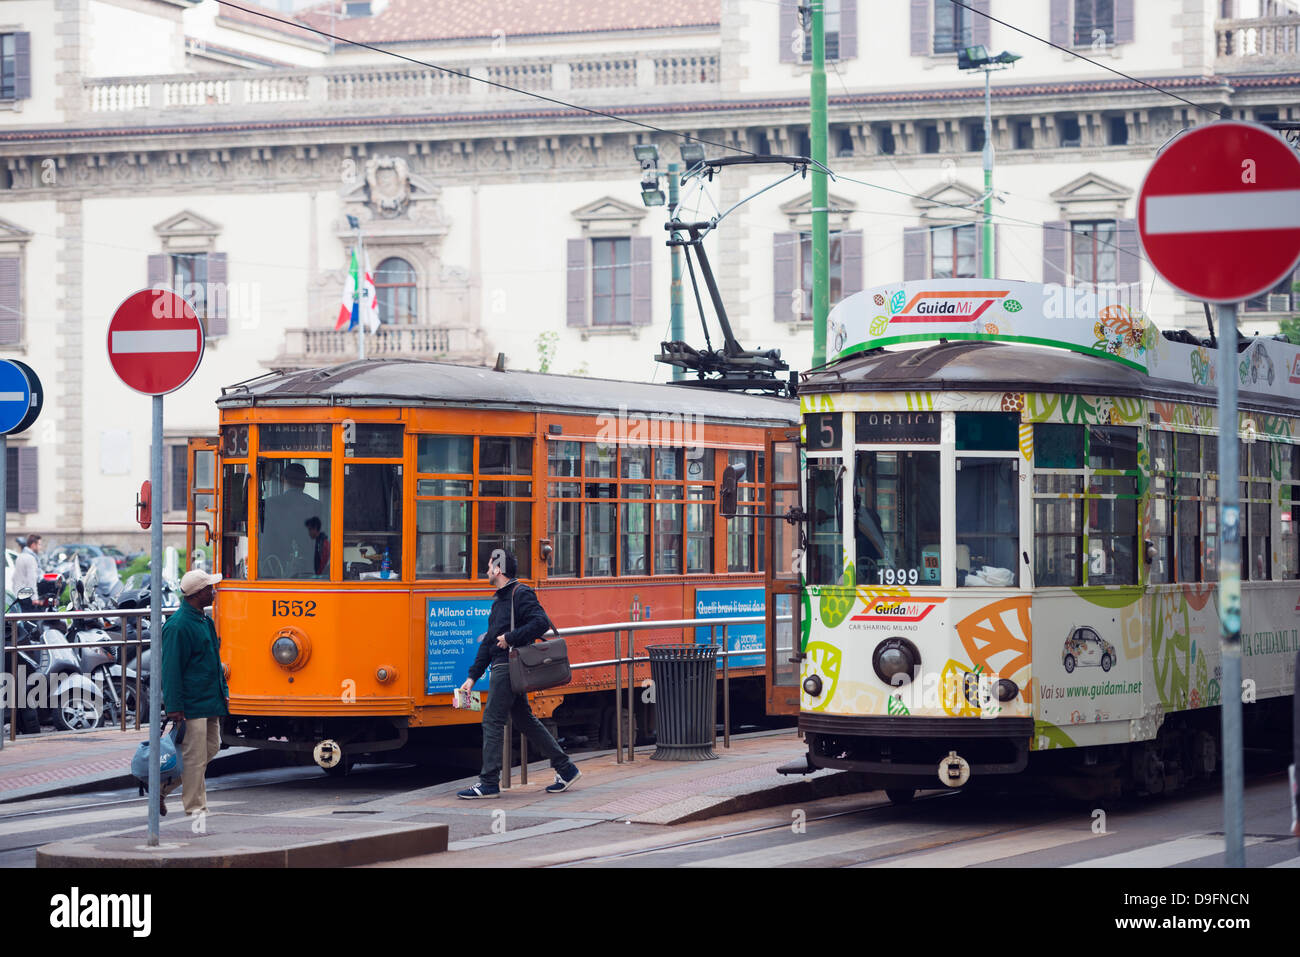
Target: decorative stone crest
<point>388,181</point>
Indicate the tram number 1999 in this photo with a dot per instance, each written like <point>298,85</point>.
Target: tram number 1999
<point>897,576</point>
<point>293,609</point>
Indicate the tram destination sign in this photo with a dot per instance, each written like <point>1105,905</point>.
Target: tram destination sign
<point>885,428</point>
<point>1219,211</point>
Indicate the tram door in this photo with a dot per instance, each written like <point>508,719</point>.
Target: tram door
<point>201,502</point>
<point>781,573</point>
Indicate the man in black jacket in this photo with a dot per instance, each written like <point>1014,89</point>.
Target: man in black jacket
<point>516,619</point>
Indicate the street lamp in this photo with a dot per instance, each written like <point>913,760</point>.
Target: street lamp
<point>977,58</point>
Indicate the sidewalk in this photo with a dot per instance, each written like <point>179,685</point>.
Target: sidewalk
<point>416,827</point>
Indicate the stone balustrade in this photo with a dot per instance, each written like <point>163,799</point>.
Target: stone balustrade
<point>1257,43</point>
<point>401,87</point>
<point>322,346</point>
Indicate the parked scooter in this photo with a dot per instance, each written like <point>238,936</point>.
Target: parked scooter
<point>101,661</point>
<point>54,690</point>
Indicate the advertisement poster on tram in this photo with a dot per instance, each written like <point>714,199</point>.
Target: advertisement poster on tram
<point>453,628</point>
<point>733,603</point>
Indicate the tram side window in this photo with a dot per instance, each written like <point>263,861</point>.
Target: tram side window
<point>1257,537</point>
<point>896,517</point>
<point>988,522</point>
<point>1289,525</point>
<point>507,523</point>
<point>564,460</point>
<point>634,516</point>
<point>292,492</point>
<point>826,521</point>
<point>1163,506</point>
<point>234,522</point>
<point>1112,505</point>
<point>740,532</point>
<point>1187,512</point>
<point>699,511</point>
<point>372,524</point>
<point>1209,508</point>
<point>1058,504</point>
<point>442,511</point>
<point>668,491</point>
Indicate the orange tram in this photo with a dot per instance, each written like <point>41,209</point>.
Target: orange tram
<point>356,507</point>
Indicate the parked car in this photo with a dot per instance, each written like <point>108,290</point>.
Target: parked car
<point>63,553</point>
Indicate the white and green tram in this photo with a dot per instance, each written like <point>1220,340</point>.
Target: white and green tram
<point>1010,492</point>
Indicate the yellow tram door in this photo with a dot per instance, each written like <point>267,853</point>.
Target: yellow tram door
<point>201,502</point>
<point>781,572</point>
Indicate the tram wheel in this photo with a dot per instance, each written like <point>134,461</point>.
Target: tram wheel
<point>900,796</point>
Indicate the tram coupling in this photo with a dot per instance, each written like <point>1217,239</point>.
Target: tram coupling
<point>954,770</point>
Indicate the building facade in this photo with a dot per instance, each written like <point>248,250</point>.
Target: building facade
<point>221,150</point>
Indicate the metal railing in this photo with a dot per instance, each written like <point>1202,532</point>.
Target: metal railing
<point>631,660</point>
<point>12,650</point>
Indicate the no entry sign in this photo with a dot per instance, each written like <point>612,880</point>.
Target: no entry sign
<point>155,341</point>
<point>1219,211</point>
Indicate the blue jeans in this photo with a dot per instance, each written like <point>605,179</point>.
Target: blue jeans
<point>503,702</point>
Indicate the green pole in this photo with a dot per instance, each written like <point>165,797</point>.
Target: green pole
<point>677,329</point>
<point>986,266</point>
<point>821,240</point>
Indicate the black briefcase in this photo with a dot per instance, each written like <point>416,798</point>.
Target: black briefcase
<point>541,665</point>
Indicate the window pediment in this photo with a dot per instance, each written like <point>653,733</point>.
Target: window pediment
<point>940,204</point>
<point>1092,196</point>
<point>609,216</point>
<point>799,212</point>
<point>187,231</point>
<point>12,233</point>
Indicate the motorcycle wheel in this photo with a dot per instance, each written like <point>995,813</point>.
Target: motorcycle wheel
<point>80,713</point>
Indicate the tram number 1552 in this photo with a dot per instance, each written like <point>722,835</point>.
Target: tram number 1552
<point>293,609</point>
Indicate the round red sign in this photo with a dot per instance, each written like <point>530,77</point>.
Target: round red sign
<point>1219,211</point>
<point>155,341</point>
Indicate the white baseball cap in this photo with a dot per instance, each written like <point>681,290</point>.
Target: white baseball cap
<point>195,581</point>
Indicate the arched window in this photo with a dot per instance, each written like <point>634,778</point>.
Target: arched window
<point>395,290</point>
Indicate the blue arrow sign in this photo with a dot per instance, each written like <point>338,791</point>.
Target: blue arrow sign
<point>15,396</point>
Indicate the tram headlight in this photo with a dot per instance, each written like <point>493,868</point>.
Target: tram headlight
<point>290,648</point>
<point>894,657</point>
<point>813,685</point>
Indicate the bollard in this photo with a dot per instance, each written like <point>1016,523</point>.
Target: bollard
<point>505,754</point>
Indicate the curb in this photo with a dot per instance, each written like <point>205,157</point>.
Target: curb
<point>389,845</point>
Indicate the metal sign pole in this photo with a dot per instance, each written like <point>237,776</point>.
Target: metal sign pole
<point>4,539</point>
<point>155,616</point>
<point>1230,589</point>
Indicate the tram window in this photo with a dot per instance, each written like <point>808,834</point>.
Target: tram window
<point>699,465</point>
<point>505,489</point>
<point>1289,533</point>
<point>988,522</point>
<point>699,529</point>
<point>740,532</point>
<point>444,454</point>
<point>563,532</point>
<point>896,518</point>
<point>507,525</point>
<point>1058,541</point>
<point>668,532</point>
<point>635,465</point>
<point>442,540</point>
<point>1261,553</point>
<point>1112,541</point>
<point>599,459</point>
<point>1187,511</point>
<point>988,431</point>
<point>234,522</point>
<point>668,464</point>
<point>635,537</point>
<point>367,441</point>
<point>564,459</point>
<point>1058,446</point>
<point>826,524</point>
<point>290,492</point>
<point>444,487</point>
<point>1163,506</point>
<point>498,456</point>
<point>372,524</point>
<point>599,539</point>
<point>1112,447</point>
<point>296,437</point>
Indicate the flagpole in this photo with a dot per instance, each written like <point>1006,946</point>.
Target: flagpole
<point>356,293</point>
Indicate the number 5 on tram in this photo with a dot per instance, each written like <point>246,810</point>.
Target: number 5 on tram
<point>357,506</point>
<point>1011,540</point>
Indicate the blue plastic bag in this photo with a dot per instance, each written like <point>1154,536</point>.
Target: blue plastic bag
<point>170,759</point>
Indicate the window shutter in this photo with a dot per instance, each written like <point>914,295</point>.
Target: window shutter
<point>979,28</point>
<point>216,319</point>
<point>785,256</point>
<point>160,268</point>
<point>642,313</point>
<point>848,29</point>
<point>22,66</point>
<point>11,320</point>
<point>1123,21</point>
<point>1054,237</point>
<point>851,264</point>
<point>789,20</point>
<point>576,282</point>
<point>1128,257</point>
<point>920,26</point>
<point>915,242</point>
<point>28,480</point>
<point>1060,22</point>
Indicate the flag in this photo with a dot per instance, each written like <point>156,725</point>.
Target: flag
<point>369,300</point>
<point>349,308</point>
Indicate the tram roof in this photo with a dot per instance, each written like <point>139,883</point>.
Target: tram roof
<point>1008,367</point>
<point>420,382</point>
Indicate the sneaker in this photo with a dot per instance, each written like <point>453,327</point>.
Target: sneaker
<point>479,790</point>
<point>563,780</point>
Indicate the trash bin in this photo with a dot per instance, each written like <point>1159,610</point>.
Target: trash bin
<point>686,696</point>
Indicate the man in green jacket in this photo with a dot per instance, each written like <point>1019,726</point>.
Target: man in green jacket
<point>194,687</point>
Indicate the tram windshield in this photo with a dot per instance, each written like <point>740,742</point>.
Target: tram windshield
<point>293,518</point>
<point>896,517</point>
